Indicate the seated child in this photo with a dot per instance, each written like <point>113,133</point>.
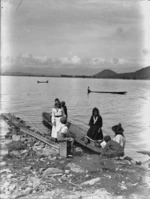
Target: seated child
<point>63,135</point>
<point>112,148</point>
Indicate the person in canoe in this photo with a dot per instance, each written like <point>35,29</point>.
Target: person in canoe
<point>119,136</point>
<point>112,148</point>
<point>57,113</point>
<point>63,105</point>
<point>95,131</point>
<point>63,135</point>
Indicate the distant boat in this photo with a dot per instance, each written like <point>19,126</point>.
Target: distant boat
<point>42,81</point>
<point>107,92</point>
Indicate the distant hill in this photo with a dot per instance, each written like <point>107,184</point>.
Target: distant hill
<point>143,73</point>
<point>106,74</point>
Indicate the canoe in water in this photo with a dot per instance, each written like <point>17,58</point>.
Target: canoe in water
<point>76,132</point>
<point>108,92</point>
<point>42,81</point>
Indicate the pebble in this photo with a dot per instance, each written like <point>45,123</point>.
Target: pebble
<point>3,164</point>
<point>12,187</point>
<point>10,176</point>
<point>27,168</point>
<point>5,170</point>
<point>16,137</point>
<point>91,182</point>
<point>4,152</point>
<point>67,171</point>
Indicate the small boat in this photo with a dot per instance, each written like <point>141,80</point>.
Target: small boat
<point>42,81</point>
<point>108,92</point>
<point>77,133</point>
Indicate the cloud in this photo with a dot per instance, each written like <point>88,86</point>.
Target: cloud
<point>70,60</point>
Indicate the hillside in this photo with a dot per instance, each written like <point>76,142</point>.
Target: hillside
<point>143,73</point>
<point>106,74</point>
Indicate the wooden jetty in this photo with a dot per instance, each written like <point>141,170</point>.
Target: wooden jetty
<point>15,121</point>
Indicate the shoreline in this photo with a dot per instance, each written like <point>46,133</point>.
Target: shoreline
<point>22,173</point>
<point>72,76</point>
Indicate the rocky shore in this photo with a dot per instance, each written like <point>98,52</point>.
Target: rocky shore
<point>31,169</point>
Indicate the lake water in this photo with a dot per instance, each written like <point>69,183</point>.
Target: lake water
<point>25,98</point>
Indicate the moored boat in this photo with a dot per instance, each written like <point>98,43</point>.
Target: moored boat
<point>42,81</point>
<point>76,132</point>
<point>107,92</point>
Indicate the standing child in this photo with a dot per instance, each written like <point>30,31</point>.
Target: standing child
<point>63,105</point>
<point>95,123</point>
<point>57,113</point>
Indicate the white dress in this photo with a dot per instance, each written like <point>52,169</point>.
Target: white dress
<point>120,139</point>
<point>57,113</point>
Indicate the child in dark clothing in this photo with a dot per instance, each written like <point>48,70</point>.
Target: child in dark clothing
<point>63,105</point>
<point>95,123</point>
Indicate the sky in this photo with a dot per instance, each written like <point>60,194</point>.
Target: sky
<point>74,36</point>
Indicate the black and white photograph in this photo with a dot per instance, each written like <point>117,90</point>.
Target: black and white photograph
<point>75,99</point>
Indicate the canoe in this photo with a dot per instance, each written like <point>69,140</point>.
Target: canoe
<point>42,81</point>
<point>108,92</point>
<point>76,132</point>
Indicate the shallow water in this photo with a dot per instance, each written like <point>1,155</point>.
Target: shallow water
<point>27,99</point>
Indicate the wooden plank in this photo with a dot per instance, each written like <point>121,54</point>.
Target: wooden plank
<point>24,129</point>
<point>63,149</point>
<point>39,137</point>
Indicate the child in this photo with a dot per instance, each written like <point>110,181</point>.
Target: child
<point>95,123</point>
<point>63,105</point>
<point>112,148</point>
<point>119,136</point>
<point>63,135</point>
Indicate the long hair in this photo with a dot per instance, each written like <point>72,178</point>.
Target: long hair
<point>95,109</point>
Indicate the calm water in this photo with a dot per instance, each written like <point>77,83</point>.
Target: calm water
<point>27,99</point>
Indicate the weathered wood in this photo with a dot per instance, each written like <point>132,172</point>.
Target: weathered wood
<point>109,92</point>
<point>63,149</point>
<point>144,152</point>
<point>24,129</point>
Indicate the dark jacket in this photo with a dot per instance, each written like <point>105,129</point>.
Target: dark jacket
<point>99,121</point>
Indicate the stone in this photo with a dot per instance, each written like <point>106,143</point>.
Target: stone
<point>15,153</point>
<point>16,145</point>
<point>75,168</point>
<point>27,168</point>
<point>48,152</point>
<point>67,171</point>
<point>24,151</point>
<point>3,164</point>
<point>16,137</point>
<point>25,192</point>
<point>12,187</point>
<point>6,185</point>
<point>52,158</point>
<point>91,182</point>
<point>35,182</point>
<point>10,176</point>
<point>4,152</point>
<point>4,196</point>
<point>50,171</point>
<point>5,170</point>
